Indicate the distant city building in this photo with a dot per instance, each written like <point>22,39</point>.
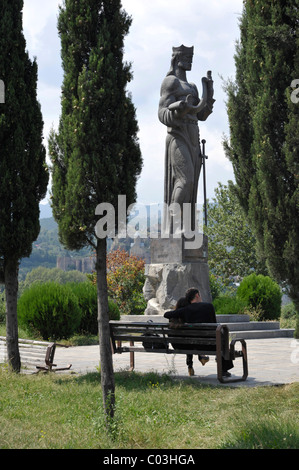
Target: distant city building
<point>84,265</point>
<point>139,249</point>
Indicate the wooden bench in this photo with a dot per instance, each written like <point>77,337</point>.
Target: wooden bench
<point>38,354</point>
<point>205,339</point>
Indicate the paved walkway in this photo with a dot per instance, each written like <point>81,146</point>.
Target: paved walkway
<point>270,362</point>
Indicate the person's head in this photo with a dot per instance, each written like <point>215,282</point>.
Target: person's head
<point>182,302</point>
<point>193,295</point>
<point>181,57</point>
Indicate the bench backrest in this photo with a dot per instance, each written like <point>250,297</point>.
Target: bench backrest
<point>33,353</point>
<point>199,336</point>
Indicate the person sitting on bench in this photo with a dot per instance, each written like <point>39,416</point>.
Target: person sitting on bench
<point>197,311</point>
<point>176,323</point>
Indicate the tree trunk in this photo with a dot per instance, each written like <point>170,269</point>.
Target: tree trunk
<point>294,296</point>
<point>107,374</point>
<point>11,271</point>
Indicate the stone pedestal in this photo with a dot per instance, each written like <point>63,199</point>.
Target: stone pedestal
<point>172,271</point>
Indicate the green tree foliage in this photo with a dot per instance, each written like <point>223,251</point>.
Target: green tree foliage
<point>23,172</point>
<point>40,275</point>
<point>95,154</point>
<point>263,145</point>
<point>232,244</point>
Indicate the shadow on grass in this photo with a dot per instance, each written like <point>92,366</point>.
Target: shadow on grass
<point>136,380</point>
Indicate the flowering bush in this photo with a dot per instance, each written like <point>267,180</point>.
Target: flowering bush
<point>125,278</point>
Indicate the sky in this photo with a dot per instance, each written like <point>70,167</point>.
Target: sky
<point>212,27</point>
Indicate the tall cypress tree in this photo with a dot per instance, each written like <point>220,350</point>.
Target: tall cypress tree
<point>264,133</point>
<point>23,171</point>
<point>95,153</point>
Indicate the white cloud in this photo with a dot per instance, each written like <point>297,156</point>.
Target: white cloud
<point>49,97</point>
<point>36,15</point>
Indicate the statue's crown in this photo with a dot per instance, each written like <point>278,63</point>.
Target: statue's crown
<point>183,49</point>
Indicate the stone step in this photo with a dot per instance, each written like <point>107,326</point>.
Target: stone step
<point>161,319</point>
<point>232,318</point>
<point>253,325</point>
<point>262,334</point>
<point>144,318</point>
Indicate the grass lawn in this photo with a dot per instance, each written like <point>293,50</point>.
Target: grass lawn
<point>51,411</point>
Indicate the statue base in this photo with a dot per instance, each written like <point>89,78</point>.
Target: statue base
<point>172,271</point>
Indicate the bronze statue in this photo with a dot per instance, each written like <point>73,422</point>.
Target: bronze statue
<point>180,109</point>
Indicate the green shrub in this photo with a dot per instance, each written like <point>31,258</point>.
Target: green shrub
<point>135,305</point>
<point>254,313</point>
<point>57,311</point>
<point>114,313</point>
<point>86,293</point>
<point>288,317</point>
<point>261,292</point>
<point>226,305</point>
<point>288,311</point>
<point>50,309</point>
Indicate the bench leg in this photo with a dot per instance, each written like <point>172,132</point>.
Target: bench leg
<point>235,354</point>
<point>49,368</point>
<point>219,365</point>
<point>219,355</point>
<point>132,358</point>
<point>242,354</point>
<point>62,368</point>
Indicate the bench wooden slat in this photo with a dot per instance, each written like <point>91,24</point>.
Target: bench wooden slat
<point>168,351</point>
<point>167,341</point>
<point>117,332</point>
<point>28,341</point>
<point>161,326</point>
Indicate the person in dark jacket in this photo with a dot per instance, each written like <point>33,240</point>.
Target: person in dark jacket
<point>197,312</point>
<point>176,323</point>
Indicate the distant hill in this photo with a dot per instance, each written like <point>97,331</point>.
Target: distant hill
<point>47,247</point>
<point>49,224</point>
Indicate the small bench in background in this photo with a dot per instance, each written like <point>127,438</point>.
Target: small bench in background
<point>34,354</point>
